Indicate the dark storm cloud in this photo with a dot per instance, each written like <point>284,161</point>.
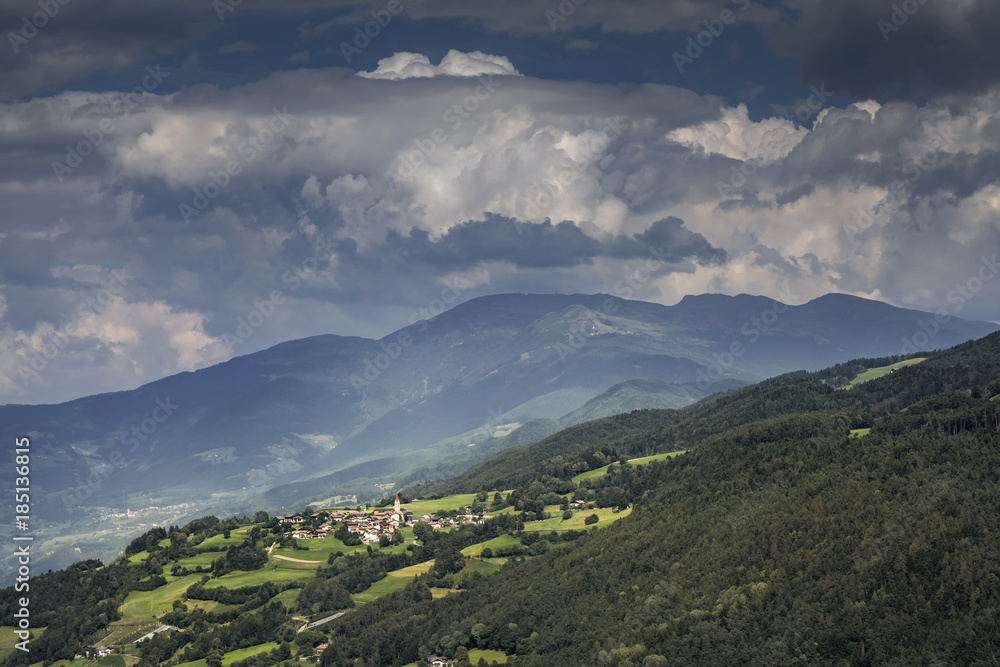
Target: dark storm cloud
<point>547,245</point>
<point>79,38</point>
<point>673,241</point>
<point>909,49</point>
<point>892,49</point>
<point>794,194</point>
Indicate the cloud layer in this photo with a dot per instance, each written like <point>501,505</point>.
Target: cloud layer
<point>325,200</point>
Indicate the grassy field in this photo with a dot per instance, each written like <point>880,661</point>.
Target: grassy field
<point>438,593</point>
<point>319,550</point>
<point>413,570</point>
<point>455,502</point>
<point>380,588</point>
<point>392,582</point>
<point>159,601</point>
<point>203,559</point>
<point>502,541</point>
<point>292,565</point>
<point>235,656</point>
<point>873,373</point>
<point>235,537</point>
<point>258,577</point>
<point>288,597</point>
<point>606,515</point>
<point>860,432</point>
<point>480,566</point>
<point>324,547</point>
<point>597,472</point>
<point>8,639</point>
<point>505,510</point>
<point>475,654</point>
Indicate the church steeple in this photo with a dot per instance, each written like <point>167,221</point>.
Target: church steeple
<point>397,513</point>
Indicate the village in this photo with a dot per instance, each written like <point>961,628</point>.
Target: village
<point>371,526</point>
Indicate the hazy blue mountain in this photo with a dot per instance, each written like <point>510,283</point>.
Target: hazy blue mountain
<point>340,408</point>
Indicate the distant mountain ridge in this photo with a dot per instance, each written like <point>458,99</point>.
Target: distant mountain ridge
<point>321,406</point>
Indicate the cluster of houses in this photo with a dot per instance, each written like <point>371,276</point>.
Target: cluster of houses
<point>370,526</point>
<point>437,522</point>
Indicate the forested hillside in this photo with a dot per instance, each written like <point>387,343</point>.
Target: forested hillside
<point>793,522</point>
<point>784,541</point>
<point>973,365</point>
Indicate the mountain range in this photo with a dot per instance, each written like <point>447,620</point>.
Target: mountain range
<point>331,415</point>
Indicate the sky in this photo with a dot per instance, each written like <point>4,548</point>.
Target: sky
<point>185,181</point>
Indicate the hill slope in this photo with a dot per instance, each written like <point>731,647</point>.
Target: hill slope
<point>786,539</point>
<point>783,541</point>
<point>107,465</point>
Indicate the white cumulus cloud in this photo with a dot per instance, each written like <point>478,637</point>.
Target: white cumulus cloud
<point>405,65</point>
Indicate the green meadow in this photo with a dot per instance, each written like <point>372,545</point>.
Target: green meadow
<point>393,581</point>
<point>235,537</point>
<point>204,559</point>
<point>598,472</point>
<point>379,588</point>
<point>873,373</point>
<point>448,503</point>
<point>489,656</point>
<point>158,601</point>
<point>502,541</point>
<point>258,577</point>
<point>606,516</point>
<point>235,656</point>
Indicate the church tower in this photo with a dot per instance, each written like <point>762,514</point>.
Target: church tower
<point>398,511</point>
